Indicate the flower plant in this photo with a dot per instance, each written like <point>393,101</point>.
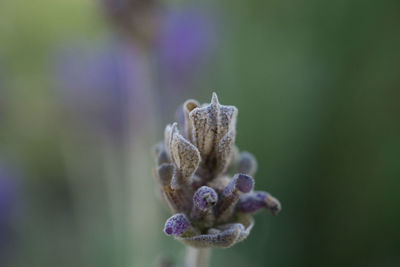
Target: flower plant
<point>206,182</point>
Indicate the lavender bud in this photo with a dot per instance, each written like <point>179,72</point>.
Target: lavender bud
<point>205,198</point>
<point>241,182</point>
<point>247,163</point>
<point>253,202</point>
<point>176,225</point>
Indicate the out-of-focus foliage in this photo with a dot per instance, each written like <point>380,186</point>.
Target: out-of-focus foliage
<point>81,103</point>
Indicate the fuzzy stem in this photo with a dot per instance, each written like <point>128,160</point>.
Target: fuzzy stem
<point>197,257</point>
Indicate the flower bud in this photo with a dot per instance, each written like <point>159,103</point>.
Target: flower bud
<point>240,183</point>
<point>255,201</point>
<point>192,170</point>
<point>176,225</point>
<point>205,198</point>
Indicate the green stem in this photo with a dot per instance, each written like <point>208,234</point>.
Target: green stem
<point>197,257</point>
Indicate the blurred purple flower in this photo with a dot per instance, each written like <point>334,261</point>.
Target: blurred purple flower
<point>98,85</point>
<point>9,191</point>
<point>2,95</point>
<point>8,195</point>
<point>187,39</point>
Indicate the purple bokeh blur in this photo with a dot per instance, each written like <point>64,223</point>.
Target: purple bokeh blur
<point>187,39</point>
<point>95,84</point>
<point>9,196</point>
<point>101,85</point>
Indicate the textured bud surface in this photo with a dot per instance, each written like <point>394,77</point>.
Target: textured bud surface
<point>213,209</point>
<point>176,225</point>
<point>253,202</point>
<point>250,203</point>
<point>205,198</point>
<point>244,183</point>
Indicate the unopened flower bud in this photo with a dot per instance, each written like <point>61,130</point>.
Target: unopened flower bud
<point>176,225</point>
<point>192,169</point>
<point>205,198</point>
<point>240,183</point>
<point>255,201</point>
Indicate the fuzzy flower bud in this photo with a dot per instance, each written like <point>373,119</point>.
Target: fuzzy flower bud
<point>213,209</point>
<point>205,198</point>
<point>253,202</point>
<point>176,225</point>
<point>240,182</point>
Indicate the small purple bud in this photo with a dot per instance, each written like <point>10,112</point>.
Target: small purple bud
<point>253,202</point>
<point>250,203</point>
<point>241,182</point>
<point>244,183</point>
<point>205,198</point>
<point>176,225</point>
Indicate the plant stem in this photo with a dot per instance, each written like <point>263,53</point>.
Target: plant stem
<point>197,257</point>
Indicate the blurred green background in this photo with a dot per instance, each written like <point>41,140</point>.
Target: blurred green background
<point>86,88</point>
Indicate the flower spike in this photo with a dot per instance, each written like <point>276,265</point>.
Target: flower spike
<point>212,209</point>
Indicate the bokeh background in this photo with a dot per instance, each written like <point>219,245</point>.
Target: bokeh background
<point>86,88</point>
